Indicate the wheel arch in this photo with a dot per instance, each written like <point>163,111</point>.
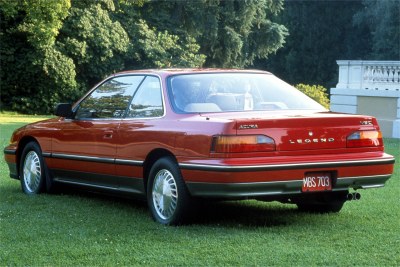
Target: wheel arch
<point>21,145</point>
<point>151,158</point>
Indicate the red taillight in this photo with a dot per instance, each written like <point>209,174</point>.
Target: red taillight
<point>365,139</point>
<point>242,143</point>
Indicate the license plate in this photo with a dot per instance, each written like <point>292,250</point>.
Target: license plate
<point>317,181</point>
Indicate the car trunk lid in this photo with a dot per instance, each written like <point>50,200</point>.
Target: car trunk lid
<point>301,130</point>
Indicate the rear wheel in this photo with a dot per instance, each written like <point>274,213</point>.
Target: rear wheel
<point>167,195</point>
<point>32,170</point>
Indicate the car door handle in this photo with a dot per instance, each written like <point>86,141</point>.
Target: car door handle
<point>108,134</point>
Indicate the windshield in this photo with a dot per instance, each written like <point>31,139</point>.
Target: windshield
<point>221,92</point>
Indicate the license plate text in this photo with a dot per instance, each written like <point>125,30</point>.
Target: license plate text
<point>317,181</point>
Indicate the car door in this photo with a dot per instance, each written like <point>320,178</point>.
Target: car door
<point>84,148</point>
<point>143,130</point>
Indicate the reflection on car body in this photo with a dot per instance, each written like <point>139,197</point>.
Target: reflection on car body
<point>178,135</point>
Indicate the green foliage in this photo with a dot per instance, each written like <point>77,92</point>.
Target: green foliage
<point>382,20</point>
<point>316,92</point>
<point>43,20</point>
<point>55,50</point>
<point>230,33</point>
<point>161,49</point>
<point>9,8</point>
<point>34,74</point>
<point>97,44</point>
<point>322,32</point>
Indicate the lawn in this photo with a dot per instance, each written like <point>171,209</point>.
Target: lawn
<point>76,228</point>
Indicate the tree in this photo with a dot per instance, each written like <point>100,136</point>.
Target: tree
<point>155,47</point>
<point>320,32</point>
<point>53,51</point>
<point>230,33</point>
<point>33,71</point>
<point>97,44</point>
<point>382,18</point>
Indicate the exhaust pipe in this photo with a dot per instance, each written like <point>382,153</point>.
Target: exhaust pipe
<point>353,196</point>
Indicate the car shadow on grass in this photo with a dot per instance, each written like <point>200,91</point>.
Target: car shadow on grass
<point>125,202</point>
<point>239,213</point>
<point>242,213</point>
<point>249,213</point>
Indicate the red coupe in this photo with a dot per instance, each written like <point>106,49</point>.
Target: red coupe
<point>178,135</point>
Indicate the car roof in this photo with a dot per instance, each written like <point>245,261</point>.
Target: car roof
<point>175,71</point>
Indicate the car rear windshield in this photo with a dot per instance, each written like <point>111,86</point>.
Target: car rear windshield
<point>222,92</point>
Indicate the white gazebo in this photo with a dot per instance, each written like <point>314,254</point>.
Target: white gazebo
<point>371,88</point>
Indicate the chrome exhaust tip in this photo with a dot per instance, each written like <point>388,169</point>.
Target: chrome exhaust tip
<point>353,196</point>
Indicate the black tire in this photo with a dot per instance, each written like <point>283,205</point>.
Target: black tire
<point>32,170</point>
<point>167,195</point>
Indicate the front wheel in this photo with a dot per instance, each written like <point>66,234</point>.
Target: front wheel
<point>167,195</point>
<point>32,170</point>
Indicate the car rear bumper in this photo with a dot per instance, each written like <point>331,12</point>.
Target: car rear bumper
<point>277,188</point>
<point>230,181</point>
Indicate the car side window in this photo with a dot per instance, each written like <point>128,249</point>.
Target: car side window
<point>109,100</point>
<point>147,100</point>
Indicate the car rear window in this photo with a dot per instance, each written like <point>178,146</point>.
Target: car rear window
<point>222,92</point>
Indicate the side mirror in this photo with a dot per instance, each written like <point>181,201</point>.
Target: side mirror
<point>63,110</point>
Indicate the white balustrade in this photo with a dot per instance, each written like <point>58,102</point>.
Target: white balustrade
<point>372,88</point>
<point>377,75</point>
<point>381,74</point>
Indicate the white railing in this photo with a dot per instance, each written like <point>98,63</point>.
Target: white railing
<point>361,74</point>
<point>382,74</point>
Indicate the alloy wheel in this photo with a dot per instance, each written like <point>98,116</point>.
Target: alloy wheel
<point>165,194</point>
<point>32,172</point>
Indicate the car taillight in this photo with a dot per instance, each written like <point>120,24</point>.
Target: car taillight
<point>365,139</point>
<point>242,143</point>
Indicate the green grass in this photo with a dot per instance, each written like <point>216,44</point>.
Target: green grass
<point>9,121</point>
<point>76,228</point>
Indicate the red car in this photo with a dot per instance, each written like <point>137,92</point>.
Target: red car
<point>178,135</point>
